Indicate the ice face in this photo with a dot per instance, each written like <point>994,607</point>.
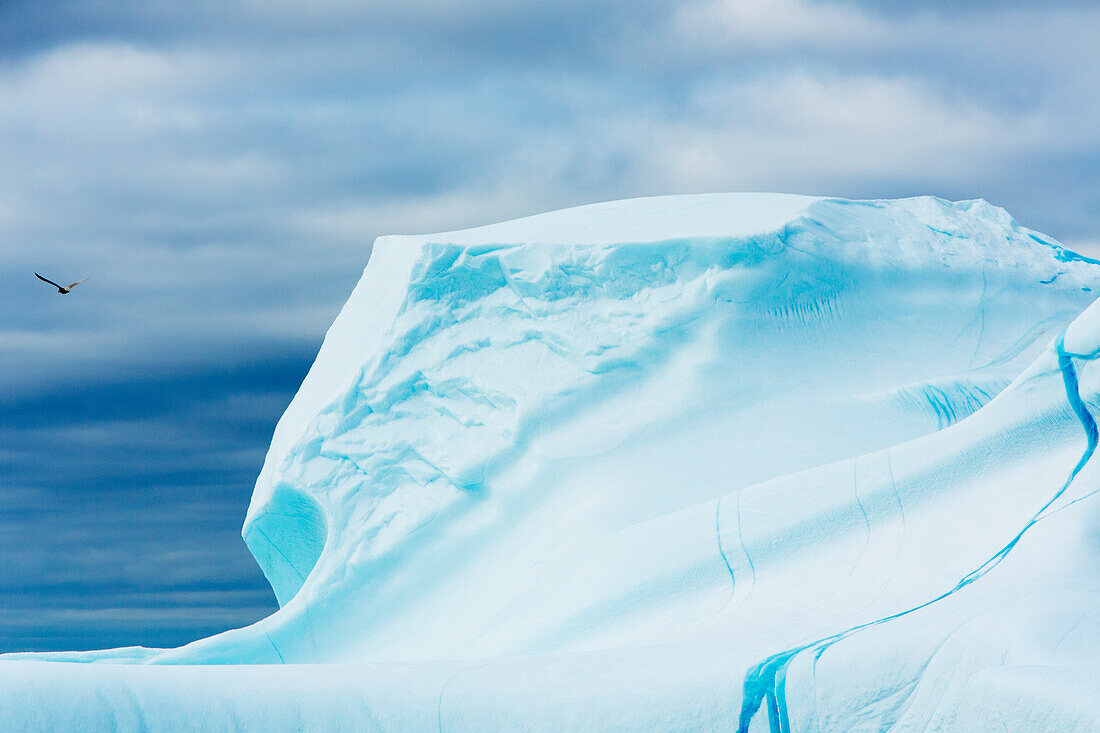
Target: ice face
<point>699,461</point>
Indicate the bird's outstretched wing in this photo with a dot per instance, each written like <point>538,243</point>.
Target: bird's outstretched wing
<point>77,283</point>
<point>51,282</point>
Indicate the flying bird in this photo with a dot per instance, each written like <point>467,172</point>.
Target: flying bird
<point>60,288</point>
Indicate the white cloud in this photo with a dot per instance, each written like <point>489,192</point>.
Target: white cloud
<point>750,24</point>
<point>802,128</point>
<point>792,130</point>
<point>73,76</point>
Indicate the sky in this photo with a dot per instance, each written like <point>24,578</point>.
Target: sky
<point>219,169</point>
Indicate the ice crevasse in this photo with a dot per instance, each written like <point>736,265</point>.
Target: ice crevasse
<point>730,461</point>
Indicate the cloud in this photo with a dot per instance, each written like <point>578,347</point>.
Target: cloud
<point>750,24</point>
<point>851,132</point>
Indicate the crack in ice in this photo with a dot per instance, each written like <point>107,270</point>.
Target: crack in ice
<point>766,682</point>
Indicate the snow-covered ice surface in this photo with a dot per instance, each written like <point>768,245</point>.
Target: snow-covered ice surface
<point>691,462</point>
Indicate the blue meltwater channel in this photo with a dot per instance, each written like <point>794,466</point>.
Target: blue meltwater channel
<point>767,681</point>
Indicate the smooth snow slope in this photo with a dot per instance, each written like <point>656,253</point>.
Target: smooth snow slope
<point>680,462</point>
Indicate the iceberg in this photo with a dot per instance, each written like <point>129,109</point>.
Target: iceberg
<point>729,461</point>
